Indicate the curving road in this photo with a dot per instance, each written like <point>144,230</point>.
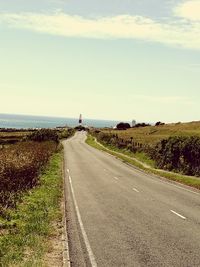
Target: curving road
<point>120,216</point>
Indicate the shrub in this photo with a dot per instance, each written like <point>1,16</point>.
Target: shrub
<point>142,124</point>
<point>66,133</point>
<point>123,126</point>
<point>179,153</point>
<point>159,123</point>
<point>44,135</point>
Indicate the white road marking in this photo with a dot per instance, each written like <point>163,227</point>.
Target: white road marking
<point>116,178</point>
<point>85,238</point>
<point>134,189</point>
<point>68,170</point>
<point>182,217</point>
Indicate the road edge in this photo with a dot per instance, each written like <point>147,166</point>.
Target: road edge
<point>66,257</point>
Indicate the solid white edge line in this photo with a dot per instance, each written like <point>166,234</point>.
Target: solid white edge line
<point>66,257</point>
<point>87,244</point>
<point>184,218</point>
<point>134,189</point>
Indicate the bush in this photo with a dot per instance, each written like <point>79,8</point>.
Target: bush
<point>159,123</point>
<point>123,126</point>
<point>44,135</point>
<point>142,124</point>
<point>179,153</point>
<point>66,133</point>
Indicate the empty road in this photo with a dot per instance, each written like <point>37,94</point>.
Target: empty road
<point>120,216</point>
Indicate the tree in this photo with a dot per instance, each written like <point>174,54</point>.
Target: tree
<point>123,126</point>
<point>158,123</point>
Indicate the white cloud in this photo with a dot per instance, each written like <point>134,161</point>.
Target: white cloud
<point>189,10</point>
<point>176,33</point>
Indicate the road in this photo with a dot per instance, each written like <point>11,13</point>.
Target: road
<point>120,216</point>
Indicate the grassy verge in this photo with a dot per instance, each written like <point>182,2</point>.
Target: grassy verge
<point>141,162</point>
<point>25,231</point>
<point>140,159</point>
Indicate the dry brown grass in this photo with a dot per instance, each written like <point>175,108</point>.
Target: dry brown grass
<point>20,165</point>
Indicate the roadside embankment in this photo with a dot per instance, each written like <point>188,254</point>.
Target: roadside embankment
<point>129,158</point>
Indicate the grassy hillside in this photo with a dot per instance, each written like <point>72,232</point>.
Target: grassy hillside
<point>153,134</point>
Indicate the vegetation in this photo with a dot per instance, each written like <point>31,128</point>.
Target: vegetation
<point>44,135</point>
<point>178,153</point>
<point>150,135</point>
<point>172,147</point>
<point>25,231</point>
<point>142,124</point>
<point>12,136</point>
<point>66,133</point>
<point>142,163</point>
<point>29,201</point>
<point>158,123</point>
<point>80,128</point>
<point>20,165</point>
<point>123,126</point>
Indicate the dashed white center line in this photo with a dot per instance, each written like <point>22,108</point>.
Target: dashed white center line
<point>176,213</point>
<point>116,178</point>
<point>68,170</point>
<point>134,189</point>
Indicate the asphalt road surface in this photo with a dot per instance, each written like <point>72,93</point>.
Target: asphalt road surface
<point>120,216</point>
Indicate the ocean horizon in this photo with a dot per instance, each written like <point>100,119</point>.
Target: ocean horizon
<point>31,121</point>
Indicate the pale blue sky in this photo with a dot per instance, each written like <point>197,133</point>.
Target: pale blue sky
<point>104,59</point>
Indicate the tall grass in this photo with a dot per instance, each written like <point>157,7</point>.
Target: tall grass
<point>20,165</point>
<point>25,236</point>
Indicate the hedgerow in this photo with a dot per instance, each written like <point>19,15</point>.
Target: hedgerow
<point>177,153</point>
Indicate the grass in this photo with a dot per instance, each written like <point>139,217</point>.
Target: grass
<point>9,137</point>
<point>141,161</point>
<point>122,154</point>
<point>153,134</point>
<point>26,230</point>
<point>20,165</point>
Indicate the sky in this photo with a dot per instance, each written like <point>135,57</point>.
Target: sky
<point>106,59</point>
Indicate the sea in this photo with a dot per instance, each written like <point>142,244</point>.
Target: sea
<point>26,122</point>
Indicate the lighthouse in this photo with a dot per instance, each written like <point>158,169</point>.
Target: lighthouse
<point>80,120</point>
